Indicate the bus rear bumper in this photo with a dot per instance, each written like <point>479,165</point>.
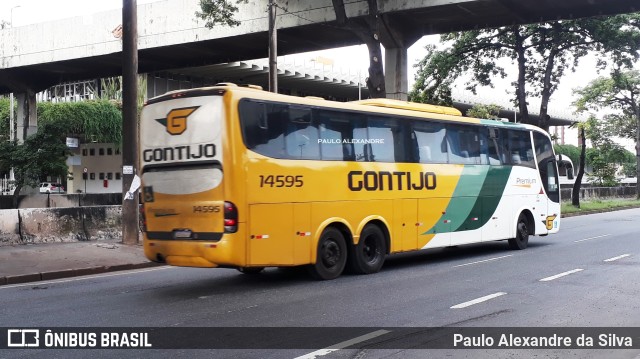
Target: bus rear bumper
<point>185,261</point>
<point>193,253</point>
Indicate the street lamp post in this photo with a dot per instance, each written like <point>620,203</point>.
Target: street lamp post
<point>11,18</point>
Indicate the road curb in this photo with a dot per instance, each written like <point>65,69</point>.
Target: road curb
<point>595,211</point>
<point>68,273</point>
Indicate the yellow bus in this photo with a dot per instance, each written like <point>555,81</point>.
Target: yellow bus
<point>237,177</point>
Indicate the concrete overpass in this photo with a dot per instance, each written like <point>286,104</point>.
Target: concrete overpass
<point>37,56</point>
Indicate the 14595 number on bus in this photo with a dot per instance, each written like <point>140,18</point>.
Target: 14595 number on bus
<point>281,181</point>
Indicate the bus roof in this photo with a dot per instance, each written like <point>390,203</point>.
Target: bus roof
<point>406,105</point>
<point>385,105</point>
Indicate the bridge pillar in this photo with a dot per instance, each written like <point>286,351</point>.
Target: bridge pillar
<point>27,118</point>
<point>396,73</point>
<point>396,42</point>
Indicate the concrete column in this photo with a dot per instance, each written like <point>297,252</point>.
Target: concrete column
<point>27,118</point>
<point>396,73</point>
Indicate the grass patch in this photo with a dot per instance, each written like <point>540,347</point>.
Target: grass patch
<point>586,206</point>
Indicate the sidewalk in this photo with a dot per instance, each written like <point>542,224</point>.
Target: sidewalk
<point>46,261</point>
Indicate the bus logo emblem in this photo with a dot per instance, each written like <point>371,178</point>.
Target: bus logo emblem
<point>550,222</point>
<point>176,120</point>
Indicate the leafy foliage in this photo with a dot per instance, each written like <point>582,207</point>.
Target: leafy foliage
<point>489,112</point>
<point>542,52</point>
<point>42,154</point>
<point>629,169</point>
<point>99,121</point>
<point>45,153</point>
<point>4,119</point>
<point>216,12</point>
<point>571,151</point>
<point>605,156</point>
<point>620,94</point>
<point>219,12</point>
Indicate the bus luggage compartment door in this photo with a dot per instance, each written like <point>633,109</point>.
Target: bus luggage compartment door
<point>271,234</point>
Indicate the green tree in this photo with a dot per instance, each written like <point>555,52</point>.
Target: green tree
<point>4,119</point>
<point>4,131</point>
<point>605,156</point>
<point>44,153</point>
<point>629,169</point>
<point>489,112</point>
<point>571,151</point>
<point>221,12</point>
<point>542,53</point>
<point>619,93</point>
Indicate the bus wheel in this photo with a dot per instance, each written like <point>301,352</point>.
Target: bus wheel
<point>368,255</point>
<point>331,256</point>
<point>250,270</point>
<point>522,234</point>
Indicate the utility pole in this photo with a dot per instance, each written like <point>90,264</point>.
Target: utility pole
<point>273,48</point>
<point>129,120</point>
<point>12,132</point>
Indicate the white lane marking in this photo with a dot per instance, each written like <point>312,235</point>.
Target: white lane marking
<point>590,238</point>
<point>616,258</point>
<point>479,300</point>
<point>561,275</point>
<point>93,276</point>
<point>486,260</point>
<point>342,345</point>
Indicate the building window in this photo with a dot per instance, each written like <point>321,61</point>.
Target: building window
<point>92,176</point>
<point>101,175</point>
<point>92,152</point>
<point>117,151</point>
<point>101,151</point>
<point>84,151</point>
<point>109,151</point>
<point>117,175</point>
<point>110,175</point>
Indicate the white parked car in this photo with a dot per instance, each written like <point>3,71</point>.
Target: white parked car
<point>48,187</point>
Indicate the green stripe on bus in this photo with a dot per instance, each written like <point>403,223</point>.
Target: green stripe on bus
<point>463,199</point>
<point>474,200</point>
<point>488,198</point>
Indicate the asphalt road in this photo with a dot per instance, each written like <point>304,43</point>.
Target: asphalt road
<point>585,276</point>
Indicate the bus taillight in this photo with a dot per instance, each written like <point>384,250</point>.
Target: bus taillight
<point>230,218</point>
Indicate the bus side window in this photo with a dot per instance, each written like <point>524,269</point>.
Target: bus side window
<point>360,136</point>
<point>494,147</point>
<point>335,134</point>
<point>262,128</point>
<point>384,137</point>
<point>464,144</point>
<point>302,134</point>
<point>547,165</point>
<point>430,142</point>
<point>521,149</point>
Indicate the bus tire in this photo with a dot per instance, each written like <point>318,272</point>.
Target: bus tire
<point>369,254</point>
<point>250,270</point>
<point>522,234</point>
<point>331,256</point>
